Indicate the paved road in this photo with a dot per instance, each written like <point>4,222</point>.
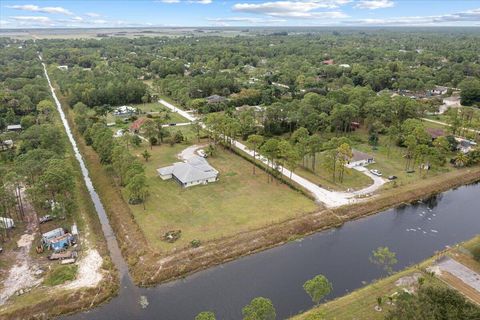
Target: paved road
<point>460,271</point>
<point>327,197</point>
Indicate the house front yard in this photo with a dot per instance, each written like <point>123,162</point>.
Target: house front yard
<point>352,179</point>
<point>391,162</point>
<point>237,202</point>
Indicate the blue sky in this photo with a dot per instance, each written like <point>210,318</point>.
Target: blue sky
<point>89,13</point>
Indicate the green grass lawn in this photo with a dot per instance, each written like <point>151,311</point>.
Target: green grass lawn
<point>352,178</point>
<point>360,304</point>
<point>392,162</point>
<point>239,201</point>
<point>158,107</point>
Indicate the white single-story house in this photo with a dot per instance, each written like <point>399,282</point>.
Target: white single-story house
<point>124,111</point>
<point>465,145</point>
<point>14,127</point>
<point>360,159</point>
<point>194,171</point>
<point>439,90</point>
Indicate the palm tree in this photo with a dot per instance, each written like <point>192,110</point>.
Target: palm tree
<point>146,155</point>
<point>461,160</point>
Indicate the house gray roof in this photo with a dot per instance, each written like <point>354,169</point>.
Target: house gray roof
<point>194,169</point>
<point>215,98</point>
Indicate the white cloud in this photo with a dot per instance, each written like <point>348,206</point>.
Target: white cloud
<point>189,1</point>
<point>93,14</point>
<point>374,4</point>
<point>35,8</point>
<point>4,22</point>
<point>293,9</point>
<point>33,21</point>
<point>99,21</point>
<point>245,20</point>
<point>447,19</point>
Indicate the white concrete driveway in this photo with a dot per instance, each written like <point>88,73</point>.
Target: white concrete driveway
<point>190,152</point>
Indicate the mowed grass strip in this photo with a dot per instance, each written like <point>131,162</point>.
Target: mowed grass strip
<point>239,201</point>
<point>360,304</point>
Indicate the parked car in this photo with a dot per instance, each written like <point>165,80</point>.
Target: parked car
<point>392,177</point>
<point>45,218</point>
<point>172,124</point>
<point>376,172</point>
<point>202,153</point>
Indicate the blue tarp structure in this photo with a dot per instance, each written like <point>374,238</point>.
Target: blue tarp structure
<point>61,242</point>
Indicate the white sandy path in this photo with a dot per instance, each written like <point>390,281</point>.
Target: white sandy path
<point>327,197</point>
<point>448,125</point>
<point>22,274</point>
<point>89,274</point>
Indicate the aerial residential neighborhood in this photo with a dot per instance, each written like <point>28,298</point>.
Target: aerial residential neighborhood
<point>255,160</point>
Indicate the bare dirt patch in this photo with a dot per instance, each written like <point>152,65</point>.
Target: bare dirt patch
<point>89,274</point>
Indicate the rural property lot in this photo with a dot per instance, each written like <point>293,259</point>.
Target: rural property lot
<point>239,201</point>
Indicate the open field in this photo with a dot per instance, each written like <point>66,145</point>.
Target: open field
<point>352,179</point>
<point>98,33</point>
<point>239,201</point>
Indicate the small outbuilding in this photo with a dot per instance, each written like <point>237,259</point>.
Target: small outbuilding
<point>213,99</point>
<point>438,91</point>
<point>360,159</point>
<point>47,237</point>
<point>6,223</point>
<point>435,133</point>
<point>137,124</point>
<point>14,127</point>
<point>57,239</point>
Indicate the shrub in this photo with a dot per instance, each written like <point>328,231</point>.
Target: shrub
<point>476,253</point>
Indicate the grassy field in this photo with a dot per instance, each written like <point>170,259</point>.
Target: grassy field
<point>352,179</point>
<point>239,201</point>
<point>391,162</point>
<point>157,107</point>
